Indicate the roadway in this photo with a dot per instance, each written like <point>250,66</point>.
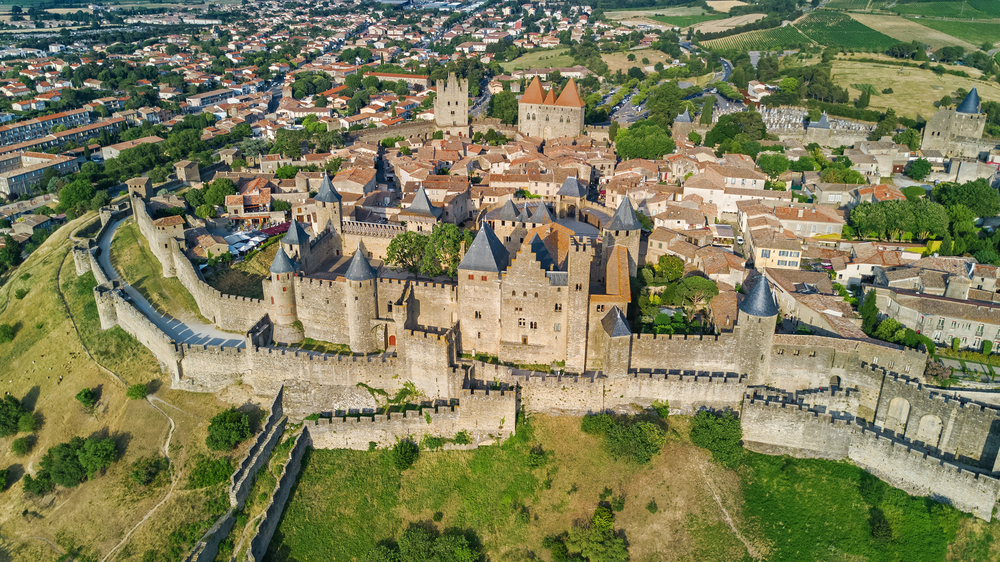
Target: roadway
<point>190,332</point>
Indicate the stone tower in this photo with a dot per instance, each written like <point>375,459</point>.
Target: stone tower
<point>451,106</point>
<point>329,213</point>
<point>281,307</point>
<point>624,229</point>
<point>578,263</point>
<point>543,115</point>
<point>361,306</point>
<point>758,314</point>
<point>296,244</point>
<point>618,346</point>
<point>479,292</point>
<point>948,129</point>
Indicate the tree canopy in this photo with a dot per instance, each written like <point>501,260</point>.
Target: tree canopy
<point>430,255</point>
<point>644,139</point>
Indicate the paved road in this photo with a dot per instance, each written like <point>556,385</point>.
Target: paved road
<point>194,333</point>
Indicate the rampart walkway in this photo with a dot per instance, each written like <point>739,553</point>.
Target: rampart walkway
<point>194,333</point>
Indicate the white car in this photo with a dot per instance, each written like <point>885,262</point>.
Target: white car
<point>739,240</point>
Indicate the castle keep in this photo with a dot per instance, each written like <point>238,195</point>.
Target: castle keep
<point>547,282</point>
<point>544,115</point>
<point>959,131</point>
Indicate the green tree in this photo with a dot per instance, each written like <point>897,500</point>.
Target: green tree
<point>719,434</point>
<point>22,446</point>
<point>96,455</point>
<point>664,104</point>
<point>286,172</point>
<point>218,190</point>
<point>28,423</point>
<point>6,333</point>
<point>869,313</point>
<point>919,169</point>
<point>137,392</point>
<point>503,106</point>
<point>909,137</point>
<point>320,101</point>
<point>772,163</point>
<point>671,268</point>
<point>403,454</point>
<point>10,415</point>
<point>205,211</point>
<point>978,196</point>
<point>86,397</point>
<point>406,250</point>
<point>695,137</point>
<point>227,429</point>
<point>644,139</point>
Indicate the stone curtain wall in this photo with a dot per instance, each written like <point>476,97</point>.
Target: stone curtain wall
<point>702,353</point>
<point>772,427</point>
<point>486,415</point>
<point>272,513</point>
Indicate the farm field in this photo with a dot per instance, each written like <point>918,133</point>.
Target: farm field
<point>761,40</point>
<point>915,90</point>
<point>961,10</point>
<point>626,13</point>
<point>619,61</point>
<point>973,32</point>
<point>828,29</point>
<point>669,510</point>
<point>713,26</point>
<point>847,4</point>
<point>724,5</point>
<point>540,59</point>
<point>840,30</point>
<point>904,29</point>
<point>687,21</point>
<point>991,7</point>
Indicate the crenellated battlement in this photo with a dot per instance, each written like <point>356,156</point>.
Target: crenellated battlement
<point>921,459</point>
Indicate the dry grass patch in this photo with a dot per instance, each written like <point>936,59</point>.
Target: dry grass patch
<point>907,30</point>
<point>915,90</point>
<point>724,5</point>
<point>619,61</point>
<point>728,23</point>
<point>131,256</point>
<point>244,278</point>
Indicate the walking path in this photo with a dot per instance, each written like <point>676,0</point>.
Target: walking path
<point>194,333</point>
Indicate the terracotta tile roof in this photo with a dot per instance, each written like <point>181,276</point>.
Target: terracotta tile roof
<point>570,97</point>
<point>533,93</point>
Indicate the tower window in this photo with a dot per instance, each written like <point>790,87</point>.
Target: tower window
<point>520,322</point>
<point>479,314</point>
<point>484,278</point>
<point>600,308</point>
<point>284,289</point>
<point>558,307</point>
<point>534,325</point>
<point>471,277</point>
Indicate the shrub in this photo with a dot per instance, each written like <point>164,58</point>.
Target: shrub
<point>145,470</point>
<point>209,472</point>
<point>22,446</point>
<point>6,333</point>
<point>403,454</point>
<point>626,438</point>
<point>662,408</point>
<point>39,485</point>
<point>137,391</point>
<point>28,423</point>
<point>87,398</point>
<point>227,429</point>
<point>721,435</point>
<point>463,437</point>
<point>20,294</point>
<point>651,506</point>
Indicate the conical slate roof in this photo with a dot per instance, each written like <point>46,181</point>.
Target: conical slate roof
<point>508,212</point>
<point>760,302</point>
<point>541,253</point>
<point>823,123</point>
<point>422,205</point>
<point>541,215</point>
<point>970,104</point>
<point>327,193</point>
<point>296,235</point>
<point>360,269</point>
<point>615,324</point>
<point>524,215</point>
<point>684,117</point>
<point>281,263</point>
<point>624,218</point>
<point>571,188</point>
<point>486,253</point>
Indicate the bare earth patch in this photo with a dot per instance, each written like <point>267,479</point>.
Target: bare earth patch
<point>724,5</point>
<point>908,30</point>
<point>728,23</point>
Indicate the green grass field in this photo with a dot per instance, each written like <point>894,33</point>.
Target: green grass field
<point>687,21</point>
<point>991,7</point>
<point>847,4</point>
<point>962,10</point>
<point>973,32</point>
<point>824,28</point>
<point>509,500</point>
<point>540,59</point>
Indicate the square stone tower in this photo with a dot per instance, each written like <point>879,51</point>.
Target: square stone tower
<point>451,106</point>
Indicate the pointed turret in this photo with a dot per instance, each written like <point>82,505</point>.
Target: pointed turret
<point>624,218</point>
<point>422,205</point>
<point>327,193</point>
<point>760,302</point>
<point>508,212</point>
<point>615,324</point>
<point>684,117</point>
<point>296,235</point>
<point>970,104</point>
<point>533,93</point>
<point>550,98</point>
<point>571,187</point>
<point>486,253</point>
<point>823,123</point>
<point>360,269</point>
<point>282,263</point>
<point>541,215</point>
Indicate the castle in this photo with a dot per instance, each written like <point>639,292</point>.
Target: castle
<point>959,131</point>
<point>451,106</point>
<point>543,115</point>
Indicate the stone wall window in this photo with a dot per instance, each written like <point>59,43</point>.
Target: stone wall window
<point>557,327</point>
<point>534,325</point>
<point>520,322</point>
<point>558,307</point>
<point>479,314</point>
<point>600,308</point>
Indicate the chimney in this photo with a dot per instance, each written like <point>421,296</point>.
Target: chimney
<point>461,250</point>
<point>801,211</point>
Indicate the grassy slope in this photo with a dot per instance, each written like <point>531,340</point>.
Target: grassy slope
<point>138,266</point>
<point>558,57</point>
<point>973,32</point>
<point>942,10</point>
<point>97,513</point>
<point>244,278</point>
<point>788,509</point>
<point>687,21</point>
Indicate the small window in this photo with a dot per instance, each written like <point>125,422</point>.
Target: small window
<point>600,308</point>
<point>484,278</point>
<point>389,307</point>
<point>520,322</point>
<point>557,327</point>
<point>479,314</point>
<point>534,325</point>
<point>558,307</point>
<point>471,277</point>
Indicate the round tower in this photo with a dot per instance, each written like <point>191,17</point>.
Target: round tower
<point>361,305</point>
<point>624,229</point>
<point>758,315</point>
<point>282,299</point>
